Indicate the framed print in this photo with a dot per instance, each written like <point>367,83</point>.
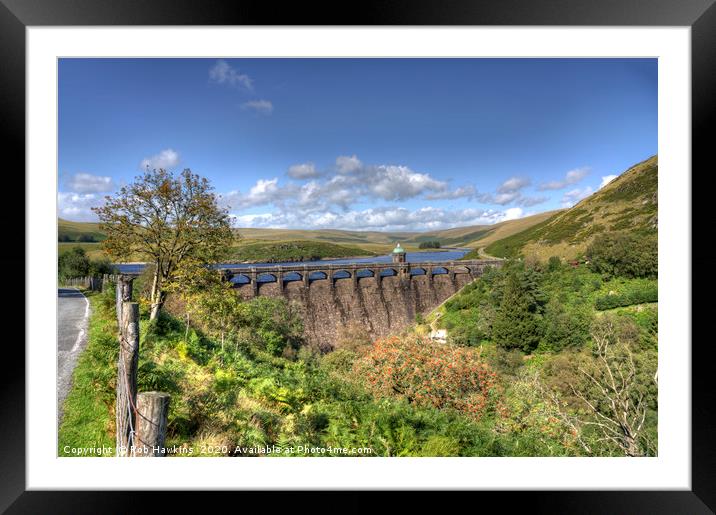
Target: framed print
<point>428,250</point>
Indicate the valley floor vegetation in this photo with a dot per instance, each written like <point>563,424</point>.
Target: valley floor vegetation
<point>542,359</point>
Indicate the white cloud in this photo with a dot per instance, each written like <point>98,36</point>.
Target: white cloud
<point>262,193</point>
<point>76,206</point>
<point>499,198</point>
<point>327,200</point>
<point>606,180</point>
<point>380,219</point>
<point>223,73</point>
<point>387,182</point>
<point>510,192</point>
<point>88,183</point>
<point>165,159</point>
<point>531,201</point>
<point>348,164</point>
<point>461,192</point>
<point>571,177</point>
<point>259,106</point>
<point>516,197</point>
<point>513,213</point>
<point>400,182</point>
<point>573,196</point>
<point>302,171</point>
<point>513,184</point>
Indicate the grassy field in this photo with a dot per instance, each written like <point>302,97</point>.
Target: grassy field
<point>93,250</point>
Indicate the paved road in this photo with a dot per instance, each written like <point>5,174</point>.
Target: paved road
<point>72,318</point>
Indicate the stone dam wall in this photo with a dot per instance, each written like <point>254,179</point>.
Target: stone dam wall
<point>382,304</point>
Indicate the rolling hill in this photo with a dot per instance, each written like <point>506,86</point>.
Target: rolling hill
<point>374,241</point>
<point>628,203</point>
<point>78,231</point>
<point>508,228</point>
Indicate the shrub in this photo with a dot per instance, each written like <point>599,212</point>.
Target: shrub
<point>428,373</point>
<point>564,328</point>
<point>554,264</point>
<point>638,294</point>
<point>274,324</point>
<point>623,254</point>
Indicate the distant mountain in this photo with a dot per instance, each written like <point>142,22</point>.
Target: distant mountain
<point>629,203</point>
<point>471,236</point>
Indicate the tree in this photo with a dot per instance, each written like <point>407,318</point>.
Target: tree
<point>73,263</point>
<point>217,308</point>
<point>432,244</point>
<point>192,282</point>
<point>615,391</point>
<point>165,220</point>
<point>516,324</point>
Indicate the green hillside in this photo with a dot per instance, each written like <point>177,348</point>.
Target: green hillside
<point>270,252</point>
<point>627,204</point>
<point>78,231</point>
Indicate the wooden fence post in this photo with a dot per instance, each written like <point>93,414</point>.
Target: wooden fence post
<point>124,294</point>
<point>127,377</point>
<point>152,412</point>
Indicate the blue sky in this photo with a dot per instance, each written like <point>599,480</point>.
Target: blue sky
<point>363,144</point>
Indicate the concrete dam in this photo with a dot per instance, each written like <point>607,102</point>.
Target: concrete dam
<point>383,297</point>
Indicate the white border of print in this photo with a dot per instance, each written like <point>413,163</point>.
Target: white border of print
<point>670,470</point>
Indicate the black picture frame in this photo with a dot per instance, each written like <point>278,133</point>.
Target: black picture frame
<point>699,15</point>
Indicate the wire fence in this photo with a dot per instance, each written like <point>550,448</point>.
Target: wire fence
<point>90,282</point>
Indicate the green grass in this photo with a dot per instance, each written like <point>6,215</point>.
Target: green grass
<point>633,187</point>
<point>270,252</point>
<point>623,292</point>
<point>93,250</point>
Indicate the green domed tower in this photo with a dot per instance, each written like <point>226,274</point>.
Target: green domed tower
<point>398,254</point>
